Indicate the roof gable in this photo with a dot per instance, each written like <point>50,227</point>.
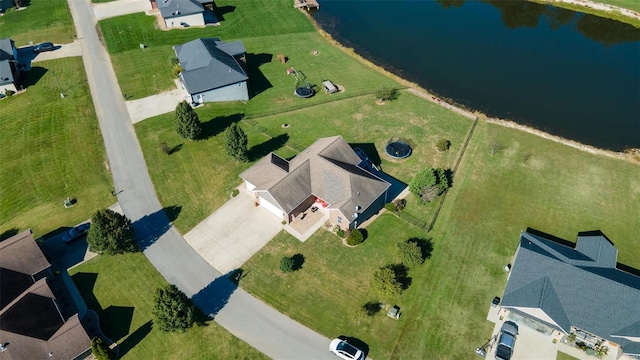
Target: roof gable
<point>21,253</point>
<point>6,49</point>
<point>176,8</point>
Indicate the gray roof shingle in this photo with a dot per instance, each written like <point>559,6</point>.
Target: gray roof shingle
<point>6,49</point>
<point>176,8</point>
<point>328,169</point>
<point>578,286</point>
<point>210,64</point>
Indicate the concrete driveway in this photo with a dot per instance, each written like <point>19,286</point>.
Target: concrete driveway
<point>154,105</point>
<point>119,8</point>
<point>234,233</point>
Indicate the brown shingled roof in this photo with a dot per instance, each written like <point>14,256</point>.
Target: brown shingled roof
<point>21,253</point>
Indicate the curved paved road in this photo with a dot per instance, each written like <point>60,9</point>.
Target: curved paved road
<point>246,317</point>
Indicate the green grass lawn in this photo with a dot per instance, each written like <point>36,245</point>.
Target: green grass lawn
<point>121,288</point>
<point>614,15</point>
<point>200,176</point>
<point>51,149</point>
<point>563,356</point>
<point>42,20</point>
<point>626,4</point>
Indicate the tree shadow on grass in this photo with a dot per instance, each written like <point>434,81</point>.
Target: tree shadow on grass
<point>213,297</point>
<point>298,261</point>
<point>402,274</point>
<point>273,144</point>
<point>149,228</point>
<point>9,233</point>
<point>116,321</point>
<point>217,125</point>
<point>135,337</point>
<point>425,245</point>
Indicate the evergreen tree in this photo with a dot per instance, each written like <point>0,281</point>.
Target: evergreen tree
<point>100,350</point>
<point>187,122</point>
<point>173,309</point>
<point>235,141</point>
<point>110,233</point>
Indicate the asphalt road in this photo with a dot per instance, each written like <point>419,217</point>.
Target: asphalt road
<point>246,317</point>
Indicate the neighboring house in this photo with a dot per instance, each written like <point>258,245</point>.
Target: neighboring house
<point>182,13</point>
<point>212,70</point>
<point>9,74</point>
<point>328,173</point>
<point>576,290</point>
<point>32,324</point>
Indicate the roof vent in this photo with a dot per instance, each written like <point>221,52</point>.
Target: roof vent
<point>357,207</point>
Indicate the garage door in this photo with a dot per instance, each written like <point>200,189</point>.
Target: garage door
<point>271,207</point>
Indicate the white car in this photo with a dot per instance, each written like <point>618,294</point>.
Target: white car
<point>344,350</point>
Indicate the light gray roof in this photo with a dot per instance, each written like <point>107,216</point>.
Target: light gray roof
<point>578,287</point>
<point>327,169</point>
<point>210,64</point>
<point>176,8</point>
<point>6,49</point>
<point>6,76</point>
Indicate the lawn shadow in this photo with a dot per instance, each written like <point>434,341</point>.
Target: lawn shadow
<point>372,307</point>
<point>258,151</point>
<point>217,125</point>
<point>365,234</point>
<point>402,274</point>
<point>551,237</point>
<point>220,11</point>
<point>369,150</point>
<point>363,346</point>
<point>174,149</point>
<point>116,321</point>
<point>298,261</point>
<point>172,212</point>
<point>135,337</point>
<point>257,81</point>
<point>33,76</point>
<point>9,233</point>
<point>425,245</point>
<point>213,297</point>
<point>149,228</point>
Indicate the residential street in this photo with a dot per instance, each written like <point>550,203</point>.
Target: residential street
<point>251,320</point>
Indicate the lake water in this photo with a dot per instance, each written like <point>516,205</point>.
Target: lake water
<point>569,74</point>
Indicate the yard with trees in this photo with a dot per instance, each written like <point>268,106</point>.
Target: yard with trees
<point>111,233</point>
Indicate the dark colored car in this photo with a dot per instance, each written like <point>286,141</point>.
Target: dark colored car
<point>45,46</point>
<point>76,233</point>
<point>507,340</point>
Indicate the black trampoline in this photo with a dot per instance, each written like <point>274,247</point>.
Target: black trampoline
<point>398,149</point>
<point>304,92</point>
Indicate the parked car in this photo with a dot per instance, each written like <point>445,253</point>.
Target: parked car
<point>45,46</point>
<point>344,350</point>
<point>506,340</point>
<point>76,233</point>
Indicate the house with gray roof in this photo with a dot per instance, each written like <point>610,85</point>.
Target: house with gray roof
<point>213,70</point>
<point>9,74</point>
<point>329,173</point>
<point>578,290</point>
<point>184,13</point>
<point>32,324</point>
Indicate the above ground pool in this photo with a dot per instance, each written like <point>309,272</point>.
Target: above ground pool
<point>398,150</point>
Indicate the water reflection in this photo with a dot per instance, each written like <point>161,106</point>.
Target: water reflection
<point>516,14</point>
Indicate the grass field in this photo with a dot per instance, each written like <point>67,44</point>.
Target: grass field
<point>614,15</point>
<point>120,289</point>
<point>200,176</point>
<point>42,20</point>
<point>532,182</point>
<point>52,149</point>
<point>626,4</point>
<point>563,356</point>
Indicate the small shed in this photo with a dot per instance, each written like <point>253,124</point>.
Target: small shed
<point>329,88</point>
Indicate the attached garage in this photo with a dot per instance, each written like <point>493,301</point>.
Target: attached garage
<point>267,202</point>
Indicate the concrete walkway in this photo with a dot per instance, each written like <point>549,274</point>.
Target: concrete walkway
<point>155,105</point>
<point>234,233</point>
<point>248,318</point>
<point>118,8</point>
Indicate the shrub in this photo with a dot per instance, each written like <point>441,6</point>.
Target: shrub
<point>385,282</point>
<point>443,145</point>
<point>399,204</point>
<point>410,253</point>
<point>100,350</point>
<point>287,264</point>
<point>176,70</point>
<point>340,233</point>
<point>165,148</point>
<point>429,184</point>
<point>386,93</point>
<point>355,237</point>
<point>236,192</point>
<point>371,307</point>
<point>9,93</point>
<point>173,309</point>
<point>175,61</point>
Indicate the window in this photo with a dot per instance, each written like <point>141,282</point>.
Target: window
<point>339,220</point>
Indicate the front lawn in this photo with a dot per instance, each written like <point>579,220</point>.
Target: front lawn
<point>121,288</point>
<point>42,20</point>
<point>200,176</point>
<point>51,149</point>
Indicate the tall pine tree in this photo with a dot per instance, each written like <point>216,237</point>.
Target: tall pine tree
<point>187,122</point>
<point>235,141</point>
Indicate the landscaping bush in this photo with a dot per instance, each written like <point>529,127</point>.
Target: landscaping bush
<point>173,309</point>
<point>355,237</point>
<point>399,204</point>
<point>287,264</point>
<point>371,307</point>
<point>443,145</point>
<point>386,93</point>
<point>9,93</point>
<point>429,184</point>
<point>385,282</point>
<point>236,192</point>
<point>410,253</point>
<point>176,70</point>
<point>165,148</point>
<point>101,350</point>
<point>340,233</point>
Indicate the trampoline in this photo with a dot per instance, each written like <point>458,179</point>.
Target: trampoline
<point>304,92</point>
<point>398,149</point>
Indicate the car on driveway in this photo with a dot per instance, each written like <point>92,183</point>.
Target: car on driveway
<point>344,350</point>
<point>45,46</point>
<point>506,340</point>
<point>76,233</point>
